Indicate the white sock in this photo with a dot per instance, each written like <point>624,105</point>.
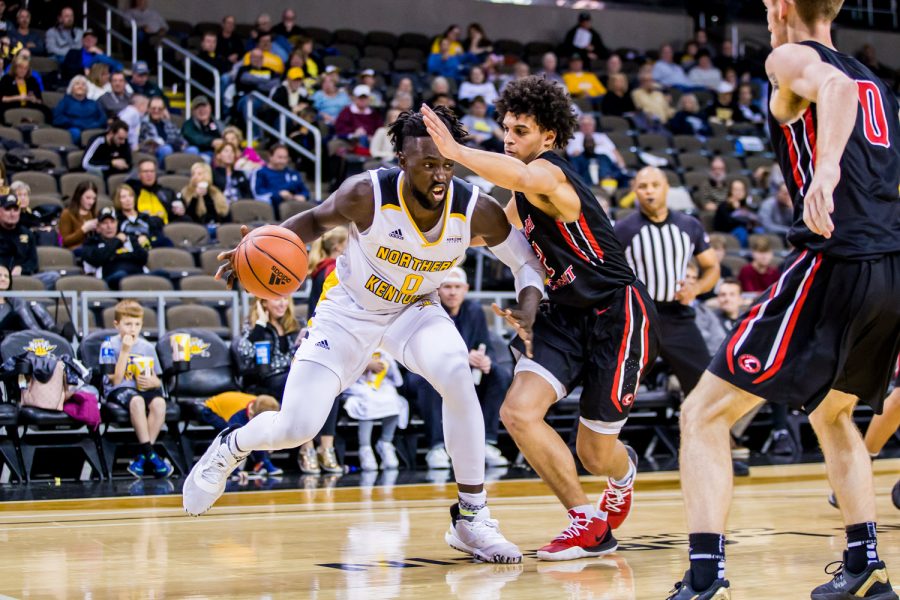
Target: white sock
<point>588,510</point>
<point>469,504</point>
<point>629,477</point>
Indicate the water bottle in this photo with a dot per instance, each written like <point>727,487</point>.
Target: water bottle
<point>478,373</point>
<point>107,357</point>
<point>263,354</point>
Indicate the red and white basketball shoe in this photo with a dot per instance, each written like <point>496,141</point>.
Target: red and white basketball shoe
<point>585,537</point>
<point>616,499</point>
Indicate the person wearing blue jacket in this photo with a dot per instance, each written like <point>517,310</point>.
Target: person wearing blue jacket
<point>76,112</point>
<point>276,182</point>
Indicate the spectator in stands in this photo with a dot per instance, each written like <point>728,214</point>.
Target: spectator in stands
<point>288,28</point>
<point>358,121</point>
<point>305,57</point>
<point>746,110</point>
<point>477,85</point>
<point>453,35</point>
<point>113,255</point>
<point>201,129</point>
<point>722,108</point>
<point>79,219</point>
<point>440,86</point>
<point>204,202</point>
<point>330,101</point>
<point>776,213</point>
<point>6,27</point>
<point>133,222</point>
<point>20,89</point>
<point>140,81</point>
<point>669,73</point>
<point>733,216</point>
<point>689,120</point>
<point>731,303</point>
<point>484,132</point>
<point>79,60</point>
<point>232,181</point>
<point>617,102</point>
<point>581,83</point>
<point>376,95</point>
<point>280,46</point>
<point>109,153</point>
<point>650,100</point>
<point>133,115</point>
<point>237,409</point>
<point>717,243</point>
<point>248,159</point>
<point>209,53</point>
<point>549,66</point>
<point>29,218</point>
<point>588,147</point>
<point>689,56</point>
<point>268,58</point>
<point>64,37</point>
<point>705,74</point>
<point>445,62</point>
<point>25,35</point>
<point>98,79</point>
<point>714,190</point>
<point>158,134</point>
<point>153,198</point>
<point>759,274</point>
<point>152,27</point>
<point>254,76</point>
<point>76,112</point>
<point>613,66</point>
<point>117,98</point>
<point>493,378</point>
<point>585,40</point>
<point>17,243</point>
<point>477,43</point>
<point>374,397</point>
<point>230,45</point>
<point>521,70</point>
<point>18,314</point>
<point>725,59</point>
<point>277,182</point>
<point>381,147</point>
<point>291,94</point>
<point>135,386</point>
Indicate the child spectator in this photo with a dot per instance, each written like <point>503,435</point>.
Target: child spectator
<point>374,396</point>
<point>759,274</point>
<point>135,385</point>
<point>237,408</point>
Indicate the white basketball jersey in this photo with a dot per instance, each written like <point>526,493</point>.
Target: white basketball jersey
<point>393,264</point>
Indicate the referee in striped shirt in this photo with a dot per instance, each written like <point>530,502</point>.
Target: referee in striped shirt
<point>659,244</point>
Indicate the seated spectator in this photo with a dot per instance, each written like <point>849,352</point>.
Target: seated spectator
<point>25,35</point>
<point>268,59</point>
<point>201,129</point>
<point>158,134</point>
<point>135,386</point>
<point>492,379</point>
<point>237,409</point>
<point>229,43</point>
<point>152,198</point>
<point>29,218</point>
<point>521,70</point>
<point>733,216</point>
<point>291,94</point>
<point>98,80</point>
<point>381,147</point>
<point>549,65</point>
<point>79,219</point>
<point>477,85</point>
<point>613,67</point>
<point>650,100</point>
<point>376,92</point>
<point>140,81</point>
<point>133,115</point>
<point>357,122</point>
<point>232,181</point>
<point>152,27</point>
<point>725,59</point>
<point>109,153</point>
<point>453,35</point>
<point>440,86</point>
<point>279,45</point>
<point>722,108</point>
<point>330,101</point>
<point>248,159</point>
<point>714,190</point>
<point>64,37</point>
<point>477,42</point>
<point>254,76</point>
<point>759,274</point>
<point>585,40</point>
<point>445,62</point>
<point>76,112</point>
<point>589,150</point>
<point>667,72</point>
<point>705,74</point>
<point>118,97</point>
<point>304,57</point>
<point>689,120</point>
<point>272,324</point>
<point>133,222</point>
<point>288,28</point>
<point>689,56</point>
<point>746,110</point>
<point>277,182</point>
<point>374,397</point>
<point>204,202</point>
<point>617,102</point>
<point>731,302</point>
<point>78,60</point>
<point>581,83</point>
<point>20,89</point>
<point>17,243</point>
<point>484,132</point>
<point>112,255</point>
<point>776,213</point>
<point>717,243</point>
<point>18,314</point>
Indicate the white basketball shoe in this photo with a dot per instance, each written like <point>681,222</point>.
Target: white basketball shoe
<point>206,481</point>
<point>480,536</point>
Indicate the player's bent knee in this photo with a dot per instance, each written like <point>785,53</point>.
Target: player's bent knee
<point>517,416</point>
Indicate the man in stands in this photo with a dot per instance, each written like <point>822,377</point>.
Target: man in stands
<point>109,153</point>
<point>112,255</point>
<point>25,35</point>
<point>17,243</point>
<point>229,44</point>
<point>140,81</point>
<point>152,198</point>
<point>201,129</point>
<point>254,76</point>
<point>118,97</point>
<point>277,182</point>
<point>64,37</point>
<point>209,53</point>
<point>78,60</point>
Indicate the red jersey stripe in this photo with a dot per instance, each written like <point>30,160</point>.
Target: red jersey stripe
<point>571,242</point>
<point>795,161</point>
<point>590,236</point>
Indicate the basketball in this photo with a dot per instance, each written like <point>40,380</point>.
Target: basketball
<point>271,262</point>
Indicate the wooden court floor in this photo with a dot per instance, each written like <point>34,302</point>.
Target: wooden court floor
<point>383,543</point>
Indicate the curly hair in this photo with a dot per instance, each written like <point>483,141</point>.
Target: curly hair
<point>547,102</point>
<point>410,124</point>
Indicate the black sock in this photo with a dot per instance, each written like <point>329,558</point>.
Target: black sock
<point>861,546</point>
<point>707,554</point>
<point>146,449</point>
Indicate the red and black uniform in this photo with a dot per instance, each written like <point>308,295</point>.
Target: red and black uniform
<point>832,321</point>
<point>599,327</point>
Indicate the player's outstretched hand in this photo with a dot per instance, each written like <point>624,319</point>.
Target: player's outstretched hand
<point>226,271</point>
<point>818,204</point>
<point>443,139</point>
<point>521,321</point>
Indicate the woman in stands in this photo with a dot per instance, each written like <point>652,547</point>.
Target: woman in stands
<point>80,217</point>
<point>734,216</point>
<point>20,89</point>
<point>133,222</point>
<point>249,160</point>
<point>98,80</point>
<point>232,181</point>
<point>76,112</point>
<point>204,201</point>
<point>17,314</point>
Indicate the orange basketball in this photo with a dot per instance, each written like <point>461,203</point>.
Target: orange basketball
<point>270,262</point>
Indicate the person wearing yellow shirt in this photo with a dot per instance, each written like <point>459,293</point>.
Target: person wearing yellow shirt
<point>453,34</point>
<point>270,59</point>
<point>152,198</point>
<point>581,83</point>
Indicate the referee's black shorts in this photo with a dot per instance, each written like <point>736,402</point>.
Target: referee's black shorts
<point>826,324</point>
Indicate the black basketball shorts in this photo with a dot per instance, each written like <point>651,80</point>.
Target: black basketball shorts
<point>826,324</point>
<point>123,395</point>
<point>604,348</point>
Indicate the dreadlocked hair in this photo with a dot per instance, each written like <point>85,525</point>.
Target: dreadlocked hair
<point>547,102</point>
<point>411,124</point>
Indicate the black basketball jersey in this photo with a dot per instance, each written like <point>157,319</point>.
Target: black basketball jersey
<point>584,261</point>
<point>866,205</point>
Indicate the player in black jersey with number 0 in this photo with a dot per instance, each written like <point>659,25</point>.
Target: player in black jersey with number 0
<point>824,336</point>
<point>598,328</point>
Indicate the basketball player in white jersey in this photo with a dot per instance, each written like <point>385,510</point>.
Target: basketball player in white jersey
<point>408,227</point>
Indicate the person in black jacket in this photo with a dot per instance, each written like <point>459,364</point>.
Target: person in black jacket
<point>233,182</point>
<point>492,379</point>
<point>17,245</point>
<point>11,94</point>
<point>584,40</point>
<point>109,153</point>
<point>112,254</point>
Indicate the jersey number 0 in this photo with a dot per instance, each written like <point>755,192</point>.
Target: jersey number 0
<point>874,119</point>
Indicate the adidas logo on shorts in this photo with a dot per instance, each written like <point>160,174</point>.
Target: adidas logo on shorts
<point>323,344</point>
<point>396,234</point>
<point>278,277</point>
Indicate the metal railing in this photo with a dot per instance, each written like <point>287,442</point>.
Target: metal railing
<point>107,24</point>
<point>190,61</point>
<point>281,133</point>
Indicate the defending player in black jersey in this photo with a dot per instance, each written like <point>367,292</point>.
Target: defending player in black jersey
<point>824,336</point>
<point>598,328</point>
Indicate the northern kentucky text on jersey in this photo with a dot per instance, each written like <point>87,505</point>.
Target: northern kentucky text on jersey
<point>405,260</point>
<point>386,291</point>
